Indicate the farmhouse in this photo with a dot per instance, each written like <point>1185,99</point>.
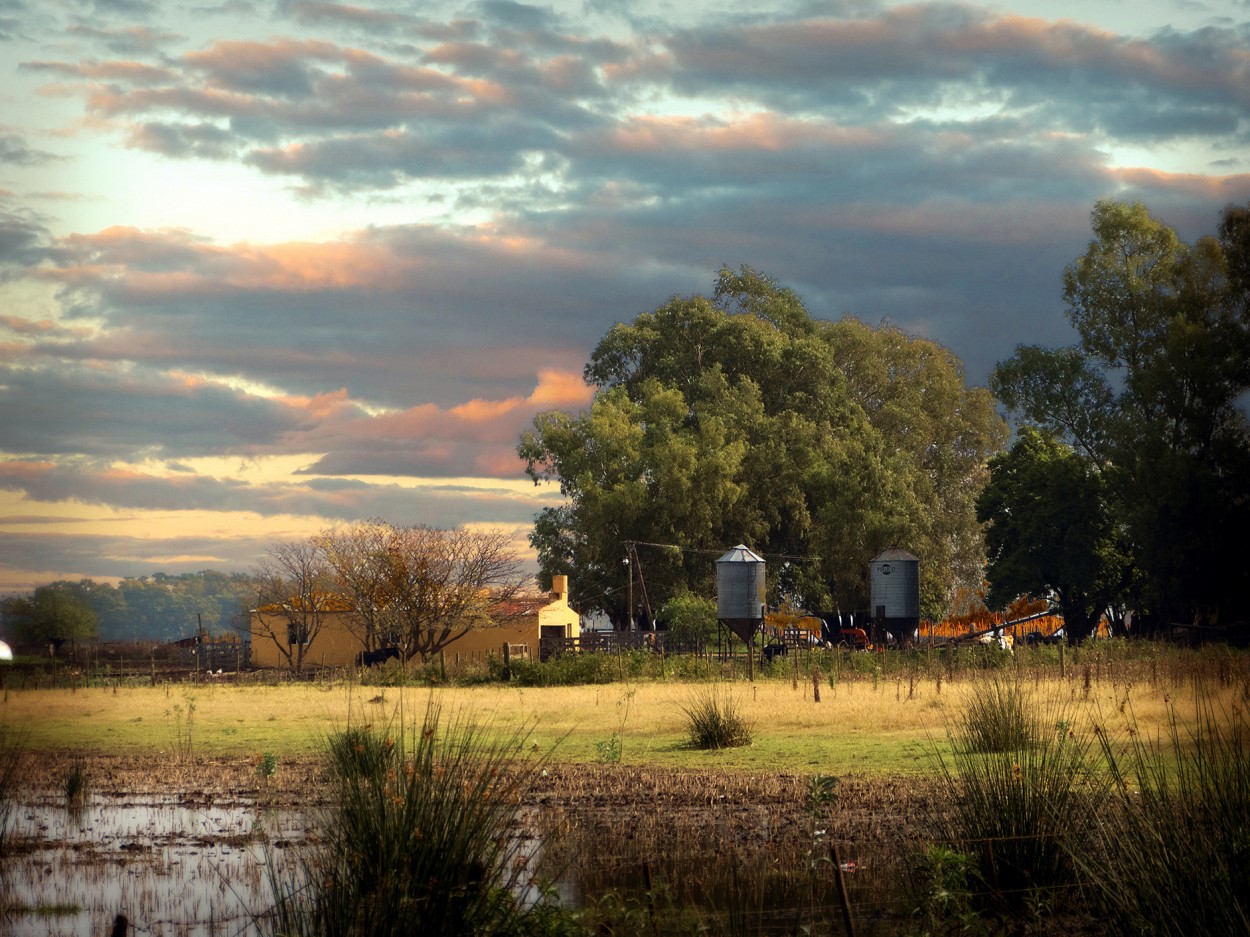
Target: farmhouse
<point>523,624</point>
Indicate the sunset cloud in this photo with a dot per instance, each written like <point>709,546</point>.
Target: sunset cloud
<point>268,269</point>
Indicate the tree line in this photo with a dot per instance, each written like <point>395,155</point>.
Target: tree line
<point>159,607</point>
<point>740,417</point>
<point>1128,487</point>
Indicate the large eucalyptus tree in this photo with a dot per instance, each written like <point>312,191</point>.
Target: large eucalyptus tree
<point>740,417</point>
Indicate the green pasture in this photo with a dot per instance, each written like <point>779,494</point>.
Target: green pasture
<point>866,724</point>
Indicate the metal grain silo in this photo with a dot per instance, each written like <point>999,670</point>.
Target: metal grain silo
<point>895,586</point>
<point>740,596</point>
<point>740,585</point>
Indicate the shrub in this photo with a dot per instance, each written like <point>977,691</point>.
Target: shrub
<point>713,722</point>
<point>570,670</point>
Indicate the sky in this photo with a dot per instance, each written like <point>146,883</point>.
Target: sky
<point>271,267</point>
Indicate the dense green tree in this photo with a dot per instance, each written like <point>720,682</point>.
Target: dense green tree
<point>1050,531</point>
<point>741,418</point>
<point>689,618</point>
<point>53,614</point>
<point>1153,395</point>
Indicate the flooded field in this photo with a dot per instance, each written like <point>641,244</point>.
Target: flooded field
<point>191,860</point>
<point>173,866</point>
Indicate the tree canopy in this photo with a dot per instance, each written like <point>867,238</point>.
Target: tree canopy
<point>52,615</point>
<point>1051,532</point>
<point>415,588</point>
<point>739,417</point>
<point>1152,394</point>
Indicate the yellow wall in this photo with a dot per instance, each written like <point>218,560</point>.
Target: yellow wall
<point>335,645</point>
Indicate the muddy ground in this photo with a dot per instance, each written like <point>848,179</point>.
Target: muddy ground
<point>178,845</point>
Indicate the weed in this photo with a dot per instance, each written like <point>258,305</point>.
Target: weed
<point>609,749</point>
<point>76,786</point>
<point>942,886</point>
<point>266,767</point>
<point>184,722</point>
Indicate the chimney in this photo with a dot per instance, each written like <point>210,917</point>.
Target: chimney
<point>560,587</point>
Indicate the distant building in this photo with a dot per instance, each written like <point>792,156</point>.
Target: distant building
<point>529,620</point>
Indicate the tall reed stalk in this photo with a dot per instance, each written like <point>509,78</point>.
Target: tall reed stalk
<point>420,839</point>
<point>1024,794</point>
<point>10,767</point>
<point>1173,854</point>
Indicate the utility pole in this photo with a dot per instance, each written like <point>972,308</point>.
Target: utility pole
<point>629,613</point>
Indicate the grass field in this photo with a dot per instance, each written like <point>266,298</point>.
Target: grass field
<point>1099,789</point>
<point>872,726</point>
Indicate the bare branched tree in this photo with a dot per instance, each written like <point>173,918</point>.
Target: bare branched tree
<point>444,583</point>
<point>296,593</point>
<point>359,556</point>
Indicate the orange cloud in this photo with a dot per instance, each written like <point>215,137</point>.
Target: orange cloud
<point>561,389</point>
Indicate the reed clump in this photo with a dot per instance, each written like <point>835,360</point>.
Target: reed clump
<point>1024,801</point>
<point>10,775</point>
<point>1172,856</point>
<point>419,838</point>
<point>714,721</point>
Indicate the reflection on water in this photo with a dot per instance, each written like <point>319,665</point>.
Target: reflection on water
<point>172,868</point>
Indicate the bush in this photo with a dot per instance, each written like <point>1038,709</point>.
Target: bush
<point>567,670</point>
<point>713,722</point>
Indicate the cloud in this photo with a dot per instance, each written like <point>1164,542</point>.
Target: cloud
<point>481,193</point>
<point>127,40</point>
<point>13,150</point>
<point>128,489</point>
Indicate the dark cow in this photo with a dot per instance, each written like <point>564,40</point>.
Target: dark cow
<point>380,656</point>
